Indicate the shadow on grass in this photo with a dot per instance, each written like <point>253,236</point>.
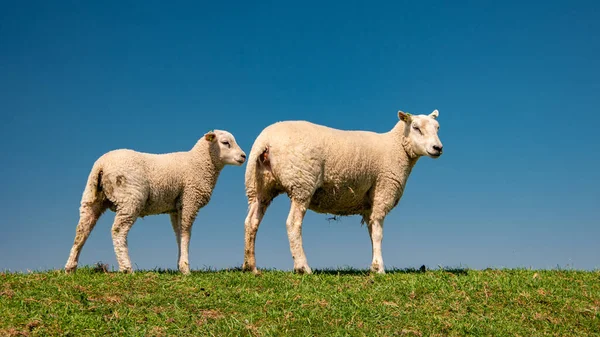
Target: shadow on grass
<point>364,272</point>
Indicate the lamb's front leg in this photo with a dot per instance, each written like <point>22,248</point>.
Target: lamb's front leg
<point>188,215</point>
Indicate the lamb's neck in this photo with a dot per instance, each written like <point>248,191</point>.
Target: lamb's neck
<point>208,165</point>
<point>210,173</point>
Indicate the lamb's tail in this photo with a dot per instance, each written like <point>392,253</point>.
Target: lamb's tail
<point>93,189</point>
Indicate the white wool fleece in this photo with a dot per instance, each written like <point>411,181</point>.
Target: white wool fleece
<point>136,184</point>
<point>334,171</point>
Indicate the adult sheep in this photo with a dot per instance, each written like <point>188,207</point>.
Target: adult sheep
<point>134,184</point>
<point>333,171</point>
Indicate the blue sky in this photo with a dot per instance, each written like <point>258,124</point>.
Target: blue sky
<point>516,84</point>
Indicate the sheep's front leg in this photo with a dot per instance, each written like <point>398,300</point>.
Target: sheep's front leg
<point>255,214</point>
<point>176,223</point>
<point>375,226</point>
<point>120,229</point>
<point>294,230</point>
<point>188,215</point>
<point>385,199</point>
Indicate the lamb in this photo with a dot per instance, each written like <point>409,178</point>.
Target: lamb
<point>333,171</point>
<point>135,184</point>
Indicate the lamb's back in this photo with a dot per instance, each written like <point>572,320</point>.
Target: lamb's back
<point>155,179</point>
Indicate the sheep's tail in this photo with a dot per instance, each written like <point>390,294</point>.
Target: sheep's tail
<point>263,159</point>
<point>258,172</point>
<point>93,189</point>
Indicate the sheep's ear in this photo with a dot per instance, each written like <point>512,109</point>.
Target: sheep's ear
<point>434,114</point>
<point>404,116</point>
<point>210,136</point>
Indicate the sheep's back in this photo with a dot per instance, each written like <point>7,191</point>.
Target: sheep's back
<point>339,166</point>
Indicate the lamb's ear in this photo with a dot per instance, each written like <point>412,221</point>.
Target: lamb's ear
<point>434,114</point>
<point>404,116</point>
<point>210,136</point>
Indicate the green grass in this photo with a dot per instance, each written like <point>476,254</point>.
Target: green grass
<point>511,302</point>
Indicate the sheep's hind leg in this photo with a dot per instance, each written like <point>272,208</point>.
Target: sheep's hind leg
<point>294,230</point>
<point>123,223</point>
<point>89,213</point>
<point>255,214</point>
<point>176,223</point>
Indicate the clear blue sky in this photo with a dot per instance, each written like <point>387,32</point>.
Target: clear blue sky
<point>516,83</point>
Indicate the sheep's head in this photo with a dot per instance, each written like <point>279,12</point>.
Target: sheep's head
<point>421,134</point>
<point>224,146</point>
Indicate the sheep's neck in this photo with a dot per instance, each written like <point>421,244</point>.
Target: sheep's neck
<point>407,168</point>
<point>400,131</point>
<point>407,147</point>
<point>408,159</point>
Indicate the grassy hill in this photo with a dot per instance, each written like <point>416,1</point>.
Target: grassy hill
<point>93,302</point>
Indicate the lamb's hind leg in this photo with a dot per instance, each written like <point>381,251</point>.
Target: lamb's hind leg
<point>89,213</point>
<point>294,230</point>
<point>256,212</point>
<point>123,223</point>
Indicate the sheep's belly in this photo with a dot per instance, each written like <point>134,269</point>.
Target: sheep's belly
<point>158,209</point>
<point>158,205</point>
<point>339,201</point>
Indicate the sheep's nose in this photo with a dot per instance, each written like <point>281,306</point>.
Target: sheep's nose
<point>438,148</point>
<point>244,155</point>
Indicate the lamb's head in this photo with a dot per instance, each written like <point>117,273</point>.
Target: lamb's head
<point>421,134</point>
<point>225,148</point>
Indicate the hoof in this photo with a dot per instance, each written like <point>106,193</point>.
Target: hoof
<point>378,269</point>
<point>184,268</point>
<point>302,270</point>
<point>246,267</point>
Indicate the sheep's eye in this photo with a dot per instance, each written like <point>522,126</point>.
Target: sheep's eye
<point>226,143</point>
<point>416,128</point>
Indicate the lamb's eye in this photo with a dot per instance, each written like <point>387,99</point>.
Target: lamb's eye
<point>226,143</point>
